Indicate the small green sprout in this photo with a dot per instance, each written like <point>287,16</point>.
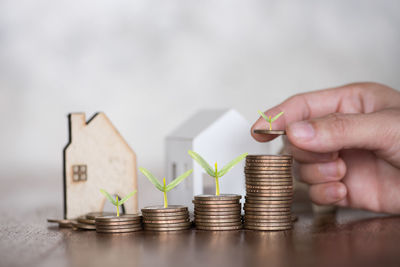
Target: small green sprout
<point>268,119</point>
<point>164,187</point>
<point>117,202</point>
<point>214,172</point>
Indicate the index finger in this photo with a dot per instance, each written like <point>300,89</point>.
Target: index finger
<point>353,98</point>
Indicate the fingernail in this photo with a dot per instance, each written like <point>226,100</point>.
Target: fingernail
<point>335,193</point>
<point>302,130</point>
<point>330,169</point>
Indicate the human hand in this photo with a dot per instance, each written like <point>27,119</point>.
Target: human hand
<point>347,143</point>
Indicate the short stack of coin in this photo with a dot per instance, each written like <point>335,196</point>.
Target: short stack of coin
<point>118,224</point>
<point>217,213</point>
<point>160,219</point>
<point>84,222</point>
<point>269,192</point>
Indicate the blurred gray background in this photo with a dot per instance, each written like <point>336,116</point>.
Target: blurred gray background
<point>150,64</point>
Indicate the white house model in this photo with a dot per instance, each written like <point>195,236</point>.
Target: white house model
<point>218,136</point>
<point>96,157</point>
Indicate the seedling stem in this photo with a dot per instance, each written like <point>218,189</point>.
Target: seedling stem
<point>116,198</point>
<point>117,202</point>
<point>165,195</point>
<point>164,187</point>
<point>216,180</point>
<point>214,172</point>
<point>269,119</point>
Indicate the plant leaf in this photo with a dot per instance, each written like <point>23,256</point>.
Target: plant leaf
<point>108,196</point>
<point>177,180</point>
<point>202,163</point>
<point>263,115</point>
<point>122,201</point>
<point>152,179</point>
<point>277,116</point>
<point>231,164</point>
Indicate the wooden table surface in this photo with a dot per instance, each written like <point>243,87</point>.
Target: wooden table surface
<point>349,238</point>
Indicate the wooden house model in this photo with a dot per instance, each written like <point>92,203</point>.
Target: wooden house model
<point>96,157</point>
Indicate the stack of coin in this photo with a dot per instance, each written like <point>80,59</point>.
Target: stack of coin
<point>160,219</point>
<point>217,213</point>
<point>87,222</point>
<point>118,224</point>
<point>269,192</point>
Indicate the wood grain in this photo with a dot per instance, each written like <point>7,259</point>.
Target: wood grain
<point>349,238</point>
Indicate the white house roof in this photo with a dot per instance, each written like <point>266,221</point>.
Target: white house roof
<point>197,123</point>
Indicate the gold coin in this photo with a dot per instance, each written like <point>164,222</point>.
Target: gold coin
<point>267,168</point>
<point>165,214</point>
<point>161,209</point>
<point>270,132</point>
<point>272,196</point>
<point>221,197</point>
<point>117,223</point>
<point>215,202</point>
<point>280,194</point>
<point>262,160</point>
<point>165,218</point>
<point>267,209</point>
<point>83,226</point>
<point>272,183</point>
<point>165,221</point>
<point>271,187</point>
<point>212,206</point>
<point>121,218</point>
<point>266,224</point>
<point>270,206</point>
<point>93,215</point>
<point>271,174</point>
<point>269,182</point>
<point>200,220</point>
<point>268,228</point>
<point>268,156</point>
<point>114,231</point>
<point>251,217</point>
<point>272,203</point>
<point>64,221</point>
<point>218,224</point>
<point>269,198</point>
<point>217,213</point>
<point>177,224</point>
<point>118,226</point>
<point>269,177</point>
<point>268,213</point>
<point>196,209</point>
<point>218,228</point>
<point>211,217</point>
<point>83,219</point>
<point>166,229</point>
<point>65,225</point>
<point>269,163</point>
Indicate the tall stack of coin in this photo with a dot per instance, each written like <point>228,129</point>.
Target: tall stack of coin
<point>172,218</point>
<point>217,213</point>
<point>118,224</point>
<point>269,192</point>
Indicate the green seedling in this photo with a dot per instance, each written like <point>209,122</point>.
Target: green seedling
<point>214,172</point>
<point>268,119</point>
<point>117,202</point>
<point>164,187</point>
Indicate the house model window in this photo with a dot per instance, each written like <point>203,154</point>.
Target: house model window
<point>79,173</point>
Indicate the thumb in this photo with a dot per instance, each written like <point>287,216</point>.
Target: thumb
<point>378,131</point>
